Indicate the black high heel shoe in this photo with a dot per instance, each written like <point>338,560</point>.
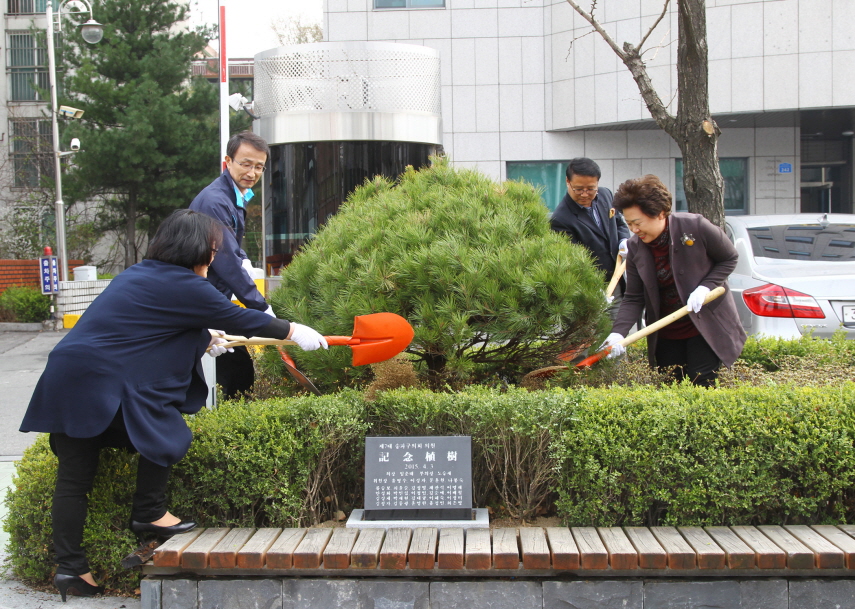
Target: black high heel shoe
<point>141,528</point>
<point>77,584</point>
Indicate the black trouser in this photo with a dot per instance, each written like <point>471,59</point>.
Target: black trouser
<point>235,372</point>
<point>78,462</point>
<point>693,357</point>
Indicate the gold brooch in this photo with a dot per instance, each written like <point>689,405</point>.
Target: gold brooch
<point>688,239</point>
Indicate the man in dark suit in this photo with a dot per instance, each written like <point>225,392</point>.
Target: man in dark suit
<point>586,216</point>
<point>225,200</point>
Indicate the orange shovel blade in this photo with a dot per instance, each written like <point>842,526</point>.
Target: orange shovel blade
<point>593,359</point>
<point>376,337</point>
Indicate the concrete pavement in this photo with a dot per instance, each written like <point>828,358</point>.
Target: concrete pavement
<point>23,356</point>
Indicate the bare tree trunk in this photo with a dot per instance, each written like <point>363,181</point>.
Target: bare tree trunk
<point>131,230</point>
<point>698,139</point>
<point>692,128</point>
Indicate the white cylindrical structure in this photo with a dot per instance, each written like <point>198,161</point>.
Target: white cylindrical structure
<point>346,91</point>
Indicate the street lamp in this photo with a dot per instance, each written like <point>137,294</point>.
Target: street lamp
<point>92,32</point>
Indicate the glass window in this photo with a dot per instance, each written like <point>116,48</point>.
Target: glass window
<point>31,151</point>
<point>735,174</point>
<point>831,243</point>
<point>409,3</point>
<point>549,176</point>
<point>26,65</point>
<point>27,7</point>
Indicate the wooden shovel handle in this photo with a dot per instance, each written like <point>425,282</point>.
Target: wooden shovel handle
<point>620,267</point>
<point>668,319</point>
<point>655,326</point>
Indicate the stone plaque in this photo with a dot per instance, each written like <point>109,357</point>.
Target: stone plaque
<point>418,473</point>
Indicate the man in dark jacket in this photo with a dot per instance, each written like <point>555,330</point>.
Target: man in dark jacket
<point>225,199</point>
<point>586,216</point>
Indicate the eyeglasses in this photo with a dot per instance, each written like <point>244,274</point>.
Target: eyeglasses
<point>579,191</point>
<point>248,165</point>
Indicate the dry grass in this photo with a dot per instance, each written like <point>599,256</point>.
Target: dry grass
<point>395,373</point>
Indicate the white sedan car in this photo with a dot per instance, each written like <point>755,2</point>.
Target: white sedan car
<point>795,275</point>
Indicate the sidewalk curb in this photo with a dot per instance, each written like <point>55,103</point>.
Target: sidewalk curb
<point>15,327</point>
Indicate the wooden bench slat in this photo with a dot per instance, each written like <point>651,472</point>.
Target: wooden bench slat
<point>828,556</point>
<point>840,540</point>
<point>224,554</point>
<point>450,550</point>
<point>849,529</point>
<point>366,552</point>
<point>767,554</point>
<point>478,553</point>
<point>393,554</point>
<point>506,549</point>
<point>708,554</point>
<point>281,554</point>
<point>195,556</point>
<point>562,547</point>
<point>739,554</point>
<point>799,556</point>
<point>592,552</point>
<point>651,555</point>
<point>422,553</point>
<point>310,551</point>
<point>254,551</point>
<point>622,554</point>
<point>168,554</point>
<point>337,550</point>
<point>680,554</point>
<point>535,550</point>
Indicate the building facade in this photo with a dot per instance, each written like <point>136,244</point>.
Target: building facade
<point>527,85</point>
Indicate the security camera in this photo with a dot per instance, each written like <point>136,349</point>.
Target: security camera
<point>69,112</point>
<point>237,101</point>
<point>75,144</point>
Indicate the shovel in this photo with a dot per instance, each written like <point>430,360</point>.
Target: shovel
<point>657,325</point>
<point>376,338</point>
<point>298,376</point>
<point>549,371</point>
<point>620,267</point>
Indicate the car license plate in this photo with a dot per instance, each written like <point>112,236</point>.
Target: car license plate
<point>849,314</point>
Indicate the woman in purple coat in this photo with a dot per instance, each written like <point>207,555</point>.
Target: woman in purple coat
<point>127,372</point>
<point>675,259</point>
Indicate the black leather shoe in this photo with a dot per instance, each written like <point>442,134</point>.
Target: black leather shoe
<point>140,528</point>
<point>77,585</point>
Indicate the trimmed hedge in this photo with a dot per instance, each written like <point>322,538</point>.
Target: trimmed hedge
<point>622,456</point>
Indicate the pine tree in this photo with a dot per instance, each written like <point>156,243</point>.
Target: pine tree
<point>489,288</point>
<point>149,135</point>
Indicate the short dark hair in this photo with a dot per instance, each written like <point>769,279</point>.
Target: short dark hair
<point>246,137</point>
<point>583,166</point>
<point>649,194</point>
<point>186,238</point>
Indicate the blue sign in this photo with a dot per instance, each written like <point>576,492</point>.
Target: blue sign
<point>49,274</point>
<point>785,168</point>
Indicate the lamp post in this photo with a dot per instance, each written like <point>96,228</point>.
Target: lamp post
<point>92,32</point>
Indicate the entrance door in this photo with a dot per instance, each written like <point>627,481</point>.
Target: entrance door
<point>824,188</point>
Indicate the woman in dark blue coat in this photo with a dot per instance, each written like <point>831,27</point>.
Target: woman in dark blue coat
<point>127,372</point>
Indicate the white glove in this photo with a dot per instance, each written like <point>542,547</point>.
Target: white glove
<point>623,248</point>
<point>247,266</point>
<point>216,341</point>
<point>696,298</point>
<point>269,311</point>
<point>307,338</point>
<point>613,341</point>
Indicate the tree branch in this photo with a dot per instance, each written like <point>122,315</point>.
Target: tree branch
<point>655,24</point>
<point>595,24</point>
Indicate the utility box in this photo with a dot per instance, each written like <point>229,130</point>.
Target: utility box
<point>86,273</point>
